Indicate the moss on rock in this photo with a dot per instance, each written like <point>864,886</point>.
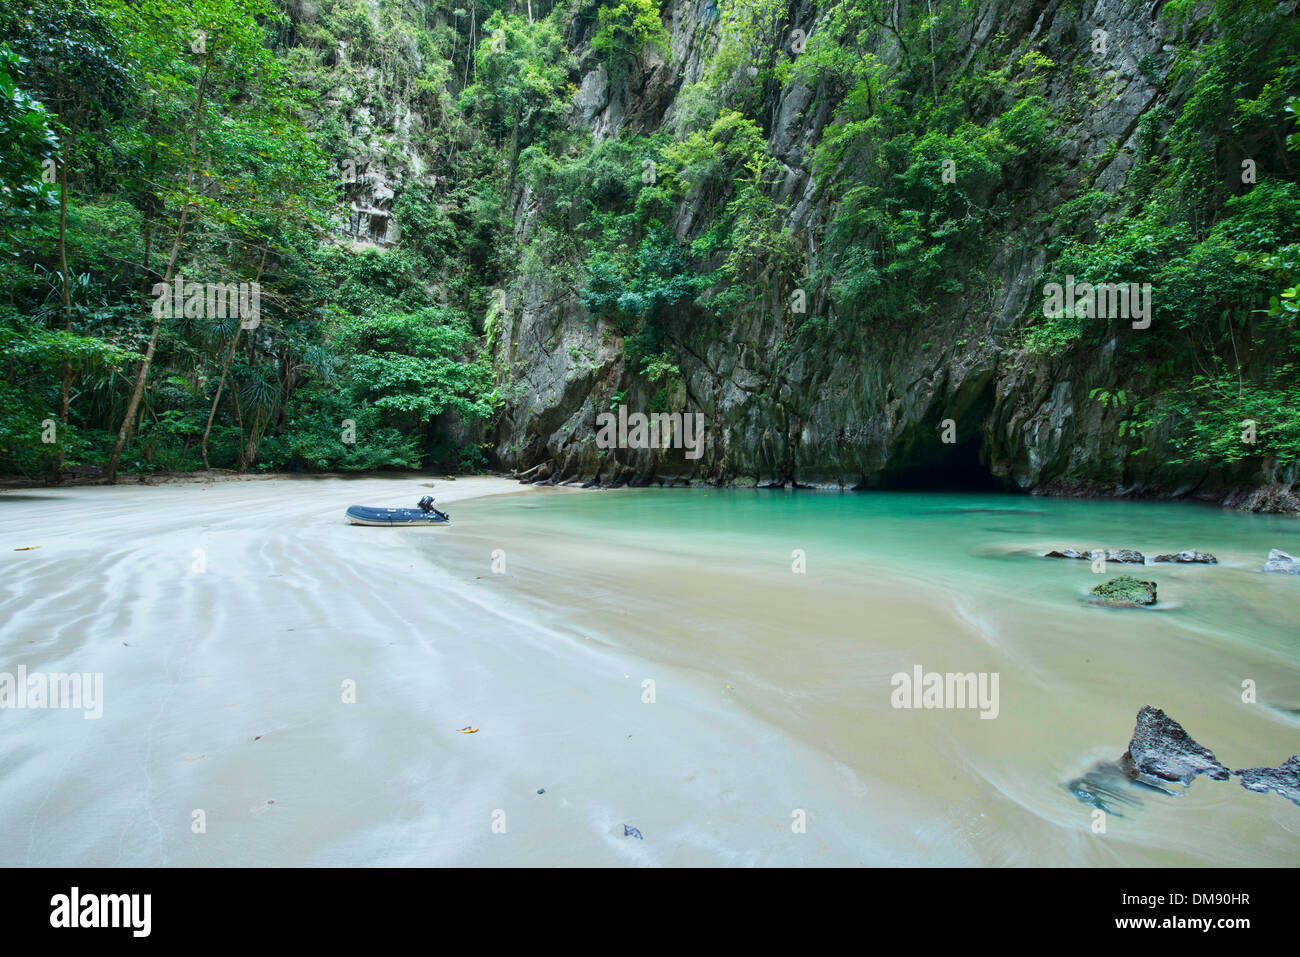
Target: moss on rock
<point>1125,592</point>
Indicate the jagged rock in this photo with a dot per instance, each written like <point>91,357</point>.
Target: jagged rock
<point>1125,592</point>
<point>1280,561</point>
<point>1189,556</point>
<point>1069,553</point>
<point>1122,556</point>
<point>1284,779</point>
<point>1160,748</point>
<point>1126,556</point>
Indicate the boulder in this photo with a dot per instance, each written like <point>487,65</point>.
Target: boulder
<point>1280,561</point>
<point>1189,557</point>
<point>1069,553</point>
<point>1160,748</point>
<point>1124,556</point>
<point>1284,779</point>
<point>1125,592</point>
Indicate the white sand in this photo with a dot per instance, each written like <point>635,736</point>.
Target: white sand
<point>223,693</point>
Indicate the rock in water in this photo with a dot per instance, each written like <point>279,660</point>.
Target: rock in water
<point>1160,748</point>
<point>1104,786</point>
<point>1125,592</point>
<point>1069,553</point>
<point>1284,779</point>
<point>1124,556</point>
<point>1280,561</point>
<point>1188,557</point>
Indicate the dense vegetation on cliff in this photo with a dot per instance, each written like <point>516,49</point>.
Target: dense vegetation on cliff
<point>403,180</point>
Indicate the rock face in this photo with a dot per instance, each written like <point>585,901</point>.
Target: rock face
<point>1187,557</point>
<point>1284,779</point>
<point>1280,561</point>
<point>1160,748</point>
<point>1125,592</point>
<point>859,411</point>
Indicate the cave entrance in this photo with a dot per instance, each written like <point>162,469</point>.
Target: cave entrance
<point>923,462</point>
<point>958,467</point>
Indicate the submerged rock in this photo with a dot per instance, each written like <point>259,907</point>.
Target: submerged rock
<point>1103,786</point>
<point>1280,561</point>
<point>1189,556</point>
<point>1125,592</point>
<point>1284,779</point>
<point>1160,748</point>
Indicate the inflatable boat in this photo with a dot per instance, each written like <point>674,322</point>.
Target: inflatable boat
<point>426,514</point>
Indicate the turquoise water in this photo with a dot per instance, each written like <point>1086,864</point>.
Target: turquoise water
<point>709,582</point>
<point>963,543</point>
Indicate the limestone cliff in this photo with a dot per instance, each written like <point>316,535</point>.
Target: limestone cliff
<point>873,412</point>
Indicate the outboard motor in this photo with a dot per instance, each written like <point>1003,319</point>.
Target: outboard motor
<point>426,504</point>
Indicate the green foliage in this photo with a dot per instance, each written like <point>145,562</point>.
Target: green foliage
<point>1217,239</point>
<point>521,85</point>
<point>412,364</point>
<point>626,29</point>
<point>26,145</point>
<point>930,153</point>
<point>642,286</point>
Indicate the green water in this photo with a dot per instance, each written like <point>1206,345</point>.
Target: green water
<point>799,607</point>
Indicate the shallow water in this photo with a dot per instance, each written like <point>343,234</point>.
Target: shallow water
<point>703,582</point>
<point>771,688</point>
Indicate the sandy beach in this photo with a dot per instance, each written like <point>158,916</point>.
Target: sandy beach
<point>282,688</point>
<point>228,618</point>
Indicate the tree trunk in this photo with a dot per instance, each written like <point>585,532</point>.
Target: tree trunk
<point>65,389</point>
<point>142,376</point>
<point>225,370</point>
<point>221,384</point>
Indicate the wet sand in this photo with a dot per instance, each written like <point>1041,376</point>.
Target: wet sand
<point>225,686</point>
<point>223,694</point>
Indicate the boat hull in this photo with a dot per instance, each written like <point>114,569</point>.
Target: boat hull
<point>390,517</point>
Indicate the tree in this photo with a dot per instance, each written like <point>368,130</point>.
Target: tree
<point>625,30</point>
<point>239,159</point>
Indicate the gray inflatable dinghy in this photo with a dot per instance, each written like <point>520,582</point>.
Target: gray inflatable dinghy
<point>426,514</point>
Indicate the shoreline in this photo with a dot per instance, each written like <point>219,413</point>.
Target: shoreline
<point>1281,500</point>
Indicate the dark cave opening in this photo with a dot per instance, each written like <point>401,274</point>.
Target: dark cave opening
<point>957,467</point>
